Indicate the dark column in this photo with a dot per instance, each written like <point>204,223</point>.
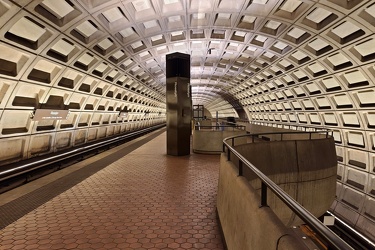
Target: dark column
<point>178,104</point>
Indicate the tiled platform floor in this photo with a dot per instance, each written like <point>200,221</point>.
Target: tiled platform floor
<point>145,200</point>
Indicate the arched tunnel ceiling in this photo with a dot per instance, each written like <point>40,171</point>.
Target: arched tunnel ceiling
<point>234,45</point>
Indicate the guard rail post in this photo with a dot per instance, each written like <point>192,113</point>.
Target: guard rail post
<point>263,195</point>
<point>240,168</point>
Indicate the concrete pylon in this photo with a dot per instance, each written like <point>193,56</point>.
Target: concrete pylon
<point>179,104</point>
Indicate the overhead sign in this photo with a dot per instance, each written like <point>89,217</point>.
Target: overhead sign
<point>50,114</point>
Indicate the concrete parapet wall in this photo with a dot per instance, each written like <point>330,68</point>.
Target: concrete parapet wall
<point>211,141</point>
<point>245,225</point>
<point>305,169</point>
<point>257,129</point>
<point>205,122</point>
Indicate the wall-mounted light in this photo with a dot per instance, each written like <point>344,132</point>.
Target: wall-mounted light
<point>124,112</point>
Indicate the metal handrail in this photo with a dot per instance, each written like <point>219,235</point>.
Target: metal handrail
<point>326,132</point>
<point>226,122</point>
<point>220,126</point>
<point>331,238</point>
<point>305,127</point>
<point>36,164</point>
<point>284,125</point>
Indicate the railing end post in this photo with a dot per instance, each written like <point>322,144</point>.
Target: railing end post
<point>263,195</point>
<point>240,168</point>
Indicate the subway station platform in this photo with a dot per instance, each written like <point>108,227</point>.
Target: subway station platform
<point>130,197</point>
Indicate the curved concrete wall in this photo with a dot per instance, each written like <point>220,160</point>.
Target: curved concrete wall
<point>305,169</point>
<point>350,204</point>
<point>211,141</point>
<point>243,222</point>
<point>47,65</point>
